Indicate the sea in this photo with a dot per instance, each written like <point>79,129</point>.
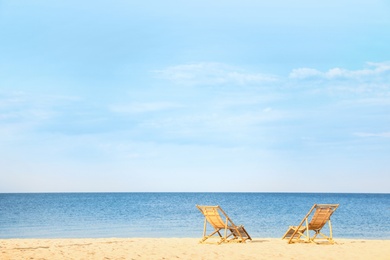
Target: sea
<point>166,215</point>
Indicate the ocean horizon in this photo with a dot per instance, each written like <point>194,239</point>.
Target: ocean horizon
<point>174,214</point>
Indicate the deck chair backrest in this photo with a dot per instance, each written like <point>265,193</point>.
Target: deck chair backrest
<point>321,216</point>
<point>213,217</point>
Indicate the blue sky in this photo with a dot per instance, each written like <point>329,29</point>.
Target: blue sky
<point>263,96</point>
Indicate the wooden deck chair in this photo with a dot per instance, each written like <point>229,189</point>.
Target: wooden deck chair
<point>220,221</point>
<point>321,216</point>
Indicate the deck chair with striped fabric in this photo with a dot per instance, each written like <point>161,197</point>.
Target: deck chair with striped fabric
<point>220,221</point>
<point>320,217</point>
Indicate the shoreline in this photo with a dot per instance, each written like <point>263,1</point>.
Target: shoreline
<point>188,248</point>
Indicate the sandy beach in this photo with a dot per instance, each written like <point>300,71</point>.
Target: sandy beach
<point>188,248</point>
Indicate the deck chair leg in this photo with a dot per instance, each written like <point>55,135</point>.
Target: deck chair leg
<point>317,232</point>
<point>307,229</point>
<point>241,238</point>
<point>205,237</point>
<point>204,227</point>
<point>226,228</point>
<point>293,235</point>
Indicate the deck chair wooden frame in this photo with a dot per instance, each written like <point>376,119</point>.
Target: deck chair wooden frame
<point>223,226</point>
<point>321,216</point>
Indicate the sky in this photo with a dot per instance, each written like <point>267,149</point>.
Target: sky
<point>195,96</point>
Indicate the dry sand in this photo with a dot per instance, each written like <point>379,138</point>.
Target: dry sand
<point>188,248</point>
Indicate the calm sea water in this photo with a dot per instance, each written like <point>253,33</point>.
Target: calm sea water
<point>82,215</point>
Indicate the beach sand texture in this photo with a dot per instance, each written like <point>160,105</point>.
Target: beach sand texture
<point>188,248</point>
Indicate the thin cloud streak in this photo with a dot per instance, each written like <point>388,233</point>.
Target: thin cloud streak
<point>211,73</point>
<point>376,70</point>
<point>380,135</point>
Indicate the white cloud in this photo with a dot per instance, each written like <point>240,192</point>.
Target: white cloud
<point>381,135</point>
<point>375,79</point>
<point>211,74</point>
<point>21,113</point>
<point>374,70</point>
<point>303,73</point>
<point>25,105</point>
